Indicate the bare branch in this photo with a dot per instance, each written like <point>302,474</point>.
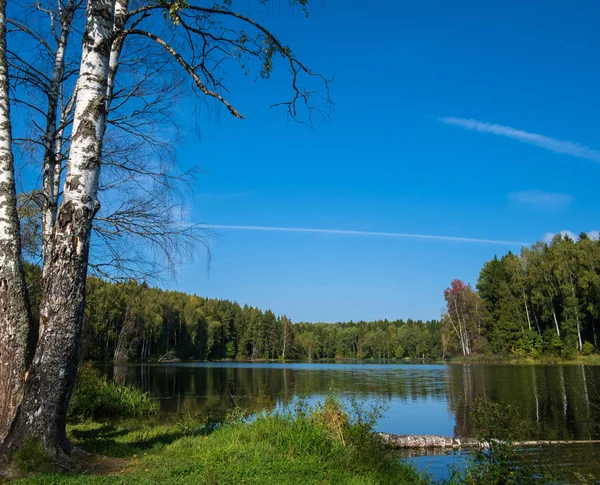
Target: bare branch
<point>187,67</point>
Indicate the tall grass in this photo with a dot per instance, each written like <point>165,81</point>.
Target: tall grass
<point>330,443</point>
<point>96,398</point>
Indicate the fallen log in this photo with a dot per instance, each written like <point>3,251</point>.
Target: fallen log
<point>406,441</point>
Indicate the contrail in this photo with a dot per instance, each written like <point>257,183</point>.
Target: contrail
<point>346,232</point>
<point>566,147</point>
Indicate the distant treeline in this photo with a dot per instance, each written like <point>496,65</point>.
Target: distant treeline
<point>130,321</point>
<point>544,302</point>
<point>379,340</point>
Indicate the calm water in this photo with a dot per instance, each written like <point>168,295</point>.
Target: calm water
<point>563,401</point>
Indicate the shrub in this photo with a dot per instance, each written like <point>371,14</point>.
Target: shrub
<point>553,344</point>
<point>588,348</point>
<point>528,345</point>
<point>96,398</point>
<point>332,416</point>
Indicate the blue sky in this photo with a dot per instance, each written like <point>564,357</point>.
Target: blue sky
<point>466,119</point>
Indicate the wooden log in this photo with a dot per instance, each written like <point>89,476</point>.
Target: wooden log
<point>419,441</point>
<point>405,441</point>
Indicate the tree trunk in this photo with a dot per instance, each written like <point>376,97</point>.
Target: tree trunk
<point>579,342</point>
<point>106,348</point>
<point>555,319</point>
<point>459,333</point>
<point>464,332</point>
<point>121,8</point>
<point>527,310</point>
<point>537,323</point>
<point>50,153</point>
<point>15,324</point>
<point>42,414</point>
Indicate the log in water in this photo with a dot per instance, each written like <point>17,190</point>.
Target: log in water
<point>405,441</point>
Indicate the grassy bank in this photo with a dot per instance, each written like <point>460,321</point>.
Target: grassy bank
<point>323,445</point>
<point>593,359</point>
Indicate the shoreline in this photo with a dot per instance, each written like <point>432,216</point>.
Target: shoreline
<point>477,359</point>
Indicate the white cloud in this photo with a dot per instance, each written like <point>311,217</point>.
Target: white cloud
<point>550,236</point>
<point>345,232</point>
<point>591,234</point>
<point>553,144</point>
<point>541,199</point>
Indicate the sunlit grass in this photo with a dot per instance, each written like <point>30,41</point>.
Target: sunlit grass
<point>593,359</point>
<point>322,445</point>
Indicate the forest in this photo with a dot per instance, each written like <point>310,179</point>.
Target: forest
<point>130,321</point>
<point>545,301</point>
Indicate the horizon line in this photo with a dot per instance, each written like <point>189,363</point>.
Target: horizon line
<point>349,232</point>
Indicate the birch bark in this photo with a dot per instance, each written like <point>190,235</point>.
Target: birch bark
<point>14,308</point>
<point>52,373</point>
<point>51,154</point>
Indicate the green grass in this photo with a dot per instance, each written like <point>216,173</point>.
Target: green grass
<point>593,359</point>
<point>322,446</point>
<point>31,457</point>
<point>95,397</point>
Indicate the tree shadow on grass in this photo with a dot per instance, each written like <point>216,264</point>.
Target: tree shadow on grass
<point>105,440</point>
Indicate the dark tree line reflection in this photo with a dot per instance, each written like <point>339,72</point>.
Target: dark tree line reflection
<point>562,402</point>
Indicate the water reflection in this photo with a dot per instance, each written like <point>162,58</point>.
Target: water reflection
<point>563,400</point>
<point>579,460</point>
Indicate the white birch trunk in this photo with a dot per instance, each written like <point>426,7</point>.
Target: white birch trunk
<point>51,155</point>
<point>527,310</point>
<point>579,342</point>
<point>284,341</point>
<point>42,414</point>
<point>555,319</point>
<point>121,8</point>
<point>537,323</point>
<point>14,308</point>
<point>464,331</point>
<point>458,331</point>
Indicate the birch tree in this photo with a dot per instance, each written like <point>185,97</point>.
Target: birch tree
<point>42,413</point>
<point>14,312</point>
<point>287,337</point>
<point>542,282</point>
<point>137,233</point>
<point>197,39</point>
<point>463,317</point>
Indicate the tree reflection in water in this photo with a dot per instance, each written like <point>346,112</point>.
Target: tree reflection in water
<point>563,400</point>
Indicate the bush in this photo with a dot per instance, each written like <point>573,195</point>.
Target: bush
<point>553,344</point>
<point>528,345</point>
<point>96,398</point>
<point>588,348</point>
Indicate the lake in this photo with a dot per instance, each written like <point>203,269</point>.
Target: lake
<point>562,400</point>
